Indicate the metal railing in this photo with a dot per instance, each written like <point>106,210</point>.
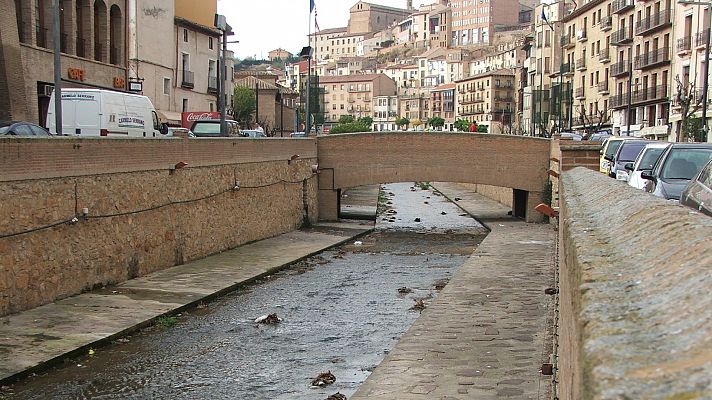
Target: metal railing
<point>81,47</point>
<point>701,38</point>
<point>580,93</point>
<point>684,44</point>
<point>621,5</point>
<point>41,38</point>
<point>652,58</point>
<point>566,41</point>
<point>648,24</point>
<point>213,84</point>
<point>619,68</point>
<point>188,79</point>
<point>606,23</point>
<point>618,101</point>
<point>581,64</point>
<point>603,87</point>
<point>650,94</point>
<point>621,36</point>
<point>604,55</point>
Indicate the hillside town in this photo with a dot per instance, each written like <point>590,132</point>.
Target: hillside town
<point>512,67</point>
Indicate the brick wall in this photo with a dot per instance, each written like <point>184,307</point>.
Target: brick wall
<point>636,315</point>
<point>580,154</point>
<point>170,217</point>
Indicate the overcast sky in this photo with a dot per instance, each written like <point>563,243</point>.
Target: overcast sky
<point>264,25</point>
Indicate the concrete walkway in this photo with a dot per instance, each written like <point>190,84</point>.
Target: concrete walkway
<point>35,338</point>
<point>488,332</point>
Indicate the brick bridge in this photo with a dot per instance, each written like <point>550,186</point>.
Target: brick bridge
<point>516,162</point>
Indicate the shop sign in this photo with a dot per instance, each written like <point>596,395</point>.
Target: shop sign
<point>76,74</point>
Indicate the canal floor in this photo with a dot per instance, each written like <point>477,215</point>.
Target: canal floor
<point>341,311</point>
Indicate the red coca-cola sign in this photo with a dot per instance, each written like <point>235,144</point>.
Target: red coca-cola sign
<point>187,118</point>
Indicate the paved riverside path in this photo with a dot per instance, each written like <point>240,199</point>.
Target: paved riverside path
<point>488,332</point>
<point>44,334</point>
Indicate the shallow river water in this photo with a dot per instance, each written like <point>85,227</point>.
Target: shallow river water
<point>341,312</point>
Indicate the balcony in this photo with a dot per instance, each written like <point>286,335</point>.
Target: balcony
<point>620,6</point>
<point>504,98</point>
<point>480,88</point>
<point>566,42</point>
<point>606,23</point>
<point>567,69</point>
<point>701,39</point>
<point>650,24</point>
<point>621,36</point>
<point>188,81</point>
<point>604,55</point>
<point>684,45</point>
<point>503,85</point>
<point>580,94</point>
<point>603,87</point>
<point>651,94</point>
<point>581,35</point>
<point>581,64</point>
<point>213,84</point>
<point>619,68</point>
<point>618,101</point>
<point>652,58</point>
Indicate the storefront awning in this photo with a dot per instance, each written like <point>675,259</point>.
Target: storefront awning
<point>170,118</point>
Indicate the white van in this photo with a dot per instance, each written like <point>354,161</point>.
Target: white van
<point>95,112</point>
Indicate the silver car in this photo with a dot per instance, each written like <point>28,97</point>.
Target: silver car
<point>698,193</point>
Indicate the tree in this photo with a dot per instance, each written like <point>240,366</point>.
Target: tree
<point>482,128</point>
<point>416,122</point>
<point>403,121</point>
<point>350,127</point>
<point>594,122</point>
<point>346,119</point>
<point>244,101</point>
<point>368,121</point>
<point>436,122</point>
<point>689,102</point>
<point>462,125</point>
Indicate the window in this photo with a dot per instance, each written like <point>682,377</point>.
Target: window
<point>185,35</point>
<point>185,105</point>
<point>167,86</point>
<point>210,43</point>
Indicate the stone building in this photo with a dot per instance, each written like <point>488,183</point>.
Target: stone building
<point>442,100</point>
<point>385,113</point>
<point>323,41</point>
<point>474,22</point>
<point>92,42</point>
<point>368,17</point>
<point>488,99</point>
<point>353,94</point>
<point>276,105</point>
<point>279,54</point>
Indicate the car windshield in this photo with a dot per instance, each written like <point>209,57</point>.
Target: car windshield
<point>630,150</point>
<point>685,163</point>
<point>613,147</point>
<point>206,128</point>
<point>649,158</point>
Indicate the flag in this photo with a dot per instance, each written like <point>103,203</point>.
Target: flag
<point>316,24</point>
<point>311,6</point>
<point>543,15</point>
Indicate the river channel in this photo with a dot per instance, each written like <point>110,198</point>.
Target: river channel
<point>341,311</point>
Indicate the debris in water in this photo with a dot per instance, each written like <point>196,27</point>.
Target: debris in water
<point>337,396</point>
<point>417,220</point>
<point>91,352</point>
<point>268,319</point>
<point>457,199</point>
<point>443,213</point>
<point>440,285</point>
<point>425,202</point>
<point>404,290</point>
<point>419,305</point>
<point>324,378</point>
<point>358,243</point>
<point>464,215</point>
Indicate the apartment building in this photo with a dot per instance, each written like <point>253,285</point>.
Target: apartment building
<point>687,86</point>
<point>404,75</point>
<point>587,65</point>
<point>442,104</point>
<point>323,41</point>
<point>474,22</point>
<point>385,113</point>
<point>279,54</point>
<point>353,94</point>
<point>642,37</point>
<point>414,105</point>
<point>93,52</point>
<point>488,99</point>
<point>504,55</point>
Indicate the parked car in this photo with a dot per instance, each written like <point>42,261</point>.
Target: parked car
<point>298,134</point>
<point>599,137</point>
<point>175,131</point>
<point>19,128</point>
<point>571,135</point>
<point>698,192</point>
<point>627,152</point>
<point>211,128</point>
<point>253,133</point>
<point>610,146</point>
<point>646,161</point>
<point>678,164</point>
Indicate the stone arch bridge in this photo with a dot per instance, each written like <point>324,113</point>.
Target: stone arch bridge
<point>516,162</point>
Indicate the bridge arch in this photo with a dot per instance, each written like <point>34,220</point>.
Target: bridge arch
<point>355,159</point>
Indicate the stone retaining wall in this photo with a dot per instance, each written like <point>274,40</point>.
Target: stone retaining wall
<point>636,310</point>
<point>139,221</point>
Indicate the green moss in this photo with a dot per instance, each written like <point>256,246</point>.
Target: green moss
<point>684,396</point>
<point>166,322</point>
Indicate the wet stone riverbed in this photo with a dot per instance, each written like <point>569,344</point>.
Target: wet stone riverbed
<point>341,311</point>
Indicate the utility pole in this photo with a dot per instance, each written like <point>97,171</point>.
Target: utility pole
<point>57,69</point>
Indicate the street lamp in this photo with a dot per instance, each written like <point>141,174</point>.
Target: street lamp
<point>543,59</point>
<point>306,54</point>
<point>708,23</point>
